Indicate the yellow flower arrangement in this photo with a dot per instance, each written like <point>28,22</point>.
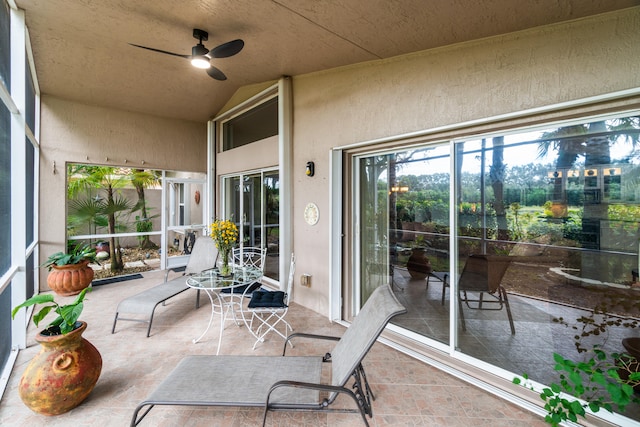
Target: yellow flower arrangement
<point>225,235</point>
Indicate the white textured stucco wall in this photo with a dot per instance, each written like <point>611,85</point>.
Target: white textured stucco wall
<point>425,90</point>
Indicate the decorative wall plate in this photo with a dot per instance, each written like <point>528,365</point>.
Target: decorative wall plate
<point>311,214</point>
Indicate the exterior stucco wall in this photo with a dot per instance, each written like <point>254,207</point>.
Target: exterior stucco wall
<point>426,90</point>
<point>77,133</point>
<point>260,154</point>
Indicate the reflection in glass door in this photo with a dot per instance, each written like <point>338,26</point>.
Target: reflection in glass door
<point>403,200</point>
<point>252,202</point>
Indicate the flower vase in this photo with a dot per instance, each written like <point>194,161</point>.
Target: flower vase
<point>223,267</point>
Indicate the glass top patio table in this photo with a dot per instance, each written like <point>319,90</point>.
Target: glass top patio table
<point>213,280</point>
<point>212,283</point>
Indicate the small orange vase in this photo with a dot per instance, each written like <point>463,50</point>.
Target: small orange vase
<point>70,279</point>
<point>62,375</point>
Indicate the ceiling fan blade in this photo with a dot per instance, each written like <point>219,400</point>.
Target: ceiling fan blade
<point>227,49</point>
<point>161,51</point>
<point>215,73</point>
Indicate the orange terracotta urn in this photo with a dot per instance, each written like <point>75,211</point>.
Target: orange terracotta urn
<point>62,375</point>
<point>70,279</point>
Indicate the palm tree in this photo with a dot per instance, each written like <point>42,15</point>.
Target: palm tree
<point>496,175</point>
<point>592,142</point>
<point>109,180</point>
<point>86,212</point>
<point>142,179</point>
<point>568,141</point>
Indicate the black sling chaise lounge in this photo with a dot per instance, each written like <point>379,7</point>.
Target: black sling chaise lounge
<point>282,382</point>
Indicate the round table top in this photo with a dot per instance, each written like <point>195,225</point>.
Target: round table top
<point>212,279</point>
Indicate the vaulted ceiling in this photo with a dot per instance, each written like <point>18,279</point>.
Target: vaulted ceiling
<point>82,48</point>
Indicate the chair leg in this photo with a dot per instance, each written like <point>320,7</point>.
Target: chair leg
<point>233,304</point>
<point>392,278</point>
<point>137,420</point>
<point>366,383</point>
<point>461,312</point>
<point>151,321</point>
<point>113,329</point>
<point>261,333</point>
<point>503,295</point>
<point>444,286</point>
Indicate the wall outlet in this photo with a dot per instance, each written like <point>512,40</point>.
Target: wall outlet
<point>305,280</point>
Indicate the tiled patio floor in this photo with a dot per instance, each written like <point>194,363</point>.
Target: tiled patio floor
<point>408,392</point>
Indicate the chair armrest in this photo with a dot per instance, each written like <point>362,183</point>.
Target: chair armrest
<point>304,335</point>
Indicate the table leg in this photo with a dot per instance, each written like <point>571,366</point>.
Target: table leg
<point>213,313</point>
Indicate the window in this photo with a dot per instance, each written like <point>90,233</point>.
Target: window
<point>30,153</point>
<point>258,123</point>
<point>122,208</point>
<point>5,43</point>
<point>5,188</point>
<point>17,196</point>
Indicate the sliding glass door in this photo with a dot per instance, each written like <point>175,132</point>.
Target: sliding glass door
<point>252,201</point>
<point>526,240</point>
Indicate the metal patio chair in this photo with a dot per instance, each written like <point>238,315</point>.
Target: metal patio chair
<point>248,256</point>
<point>268,309</point>
<point>480,277</point>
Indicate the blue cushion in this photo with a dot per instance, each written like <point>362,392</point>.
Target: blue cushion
<point>267,299</point>
<point>240,289</point>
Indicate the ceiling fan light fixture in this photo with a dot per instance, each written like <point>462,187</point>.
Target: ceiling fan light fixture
<point>200,62</point>
<point>200,56</point>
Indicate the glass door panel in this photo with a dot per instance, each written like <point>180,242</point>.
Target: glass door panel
<point>271,229</point>
<point>252,215</point>
<point>404,234</point>
<point>375,266</point>
<point>231,192</point>
<point>252,201</point>
<point>548,224</point>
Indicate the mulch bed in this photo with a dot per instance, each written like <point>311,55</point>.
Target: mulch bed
<point>130,255</point>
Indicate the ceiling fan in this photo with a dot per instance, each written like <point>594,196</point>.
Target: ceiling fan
<point>200,56</point>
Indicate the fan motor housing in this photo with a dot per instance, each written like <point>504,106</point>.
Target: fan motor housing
<point>201,35</point>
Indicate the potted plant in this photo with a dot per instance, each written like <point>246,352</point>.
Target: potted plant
<point>418,264</point>
<point>70,273</point>
<point>67,367</point>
